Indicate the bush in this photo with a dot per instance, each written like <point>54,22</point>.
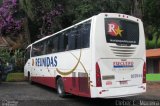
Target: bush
<point>158,42</point>
<point>150,44</point>
<point>151,39</point>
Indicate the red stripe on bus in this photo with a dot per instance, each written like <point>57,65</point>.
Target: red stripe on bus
<point>48,81</point>
<point>74,85</point>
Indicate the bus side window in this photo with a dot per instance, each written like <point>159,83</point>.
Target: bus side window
<point>79,36</point>
<point>27,54</point>
<point>48,47</point>
<point>55,45</point>
<point>52,45</point>
<point>43,47</point>
<point>60,43</point>
<point>63,42</point>
<point>85,32</point>
<point>38,49</point>
<point>35,50</point>
<point>71,39</point>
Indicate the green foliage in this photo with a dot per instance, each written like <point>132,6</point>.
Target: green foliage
<point>151,44</point>
<point>41,15</point>
<point>73,12</point>
<point>77,10</point>
<point>15,77</point>
<point>27,6</point>
<point>152,37</point>
<point>1,1</point>
<point>151,12</point>
<point>147,43</point>
<point>158,42</point>
<point>152,21</point>
<point>150,29</point>
<point>19,58</point>
<point>86,8</point>
<point>5,55</point>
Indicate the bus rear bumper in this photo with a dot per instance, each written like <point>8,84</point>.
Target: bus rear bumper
<point>99,92</point>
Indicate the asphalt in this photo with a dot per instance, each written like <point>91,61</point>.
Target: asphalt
<point>25,94</point>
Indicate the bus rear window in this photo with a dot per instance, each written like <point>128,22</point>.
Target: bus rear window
<point>121,31</point>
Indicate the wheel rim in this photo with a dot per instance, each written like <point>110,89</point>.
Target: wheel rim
<point>60,87</point>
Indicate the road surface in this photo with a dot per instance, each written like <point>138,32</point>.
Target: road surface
<point>24,94</point>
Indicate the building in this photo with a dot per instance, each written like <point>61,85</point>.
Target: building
<point>153,64</point>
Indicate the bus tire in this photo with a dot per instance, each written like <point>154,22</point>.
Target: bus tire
<point>60,88</point>
<point>29,78</point>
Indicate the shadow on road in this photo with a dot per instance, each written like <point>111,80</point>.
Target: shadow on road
<point>72,100</point>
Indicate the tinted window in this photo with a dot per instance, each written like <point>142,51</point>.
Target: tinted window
<point>85,34</point>
<point>51,45</point>
<point>121,31</point>
<point>27,54</point>
<point>79,36</point>
<point>74,38</point>
<point>38,49</point>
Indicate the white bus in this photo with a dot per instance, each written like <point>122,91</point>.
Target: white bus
<point>100,57</point>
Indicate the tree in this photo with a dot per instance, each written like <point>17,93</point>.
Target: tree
<point>12,24</point>
<point>9,25</point>
<point>151,13</point>
<point>41,16</point>
<point>151,20</point>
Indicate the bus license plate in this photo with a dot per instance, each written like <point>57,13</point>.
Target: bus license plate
<point>123,82</point>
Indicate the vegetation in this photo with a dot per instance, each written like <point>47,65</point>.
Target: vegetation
<point>5,55</point>
<point>49,16</point>
<point>15,58</point>
<point>15,77</point>
<point>24,21</point>
<point>151,21</point>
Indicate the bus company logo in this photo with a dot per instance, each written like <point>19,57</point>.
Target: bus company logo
<point>46,61</point>
<point>114,29</point>
<point>123,64</point>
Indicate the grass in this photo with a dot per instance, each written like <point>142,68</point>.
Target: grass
<point>153,77</point>
<point>11,77</point>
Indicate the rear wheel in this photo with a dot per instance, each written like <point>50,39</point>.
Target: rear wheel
<point>60,88</point>
<point>29,78</point>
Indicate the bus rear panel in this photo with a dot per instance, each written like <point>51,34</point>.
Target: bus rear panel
<point>119,56</point>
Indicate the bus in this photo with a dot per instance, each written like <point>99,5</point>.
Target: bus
<point>100,57</point>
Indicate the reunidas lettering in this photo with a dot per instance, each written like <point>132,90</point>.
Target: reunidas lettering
<point>47,61</point>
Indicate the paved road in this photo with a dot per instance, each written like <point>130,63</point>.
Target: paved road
<point>24,94</point>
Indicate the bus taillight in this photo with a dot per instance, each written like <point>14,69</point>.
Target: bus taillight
<point>98,76</point>
<point>144,73</point>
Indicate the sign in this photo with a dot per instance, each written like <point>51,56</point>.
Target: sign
<point>46,61</point>
<point>123,64</point>
<point>114,29</point>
